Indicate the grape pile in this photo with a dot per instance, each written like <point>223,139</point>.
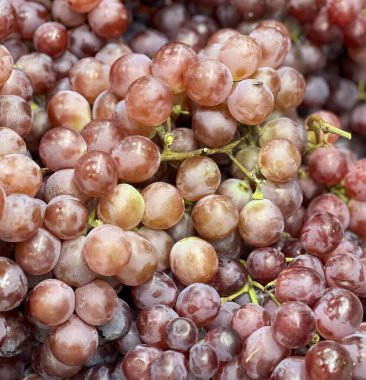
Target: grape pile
<point>183,189</point>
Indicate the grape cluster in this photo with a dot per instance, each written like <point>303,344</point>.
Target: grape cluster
<point>180,196</point>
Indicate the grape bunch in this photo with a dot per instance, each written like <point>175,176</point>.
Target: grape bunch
<point>183,189</point>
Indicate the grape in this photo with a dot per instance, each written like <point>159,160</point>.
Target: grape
<point>203,360</point>
<point>20,174</point>
<point>109,18</point>
<point>292,368</point>
<point>73,342</point>
<point>355,179</point>
<point>84,42</point>
<point>148,42</point>
<point>354,33</point>
<point>207,213</point>
<point>279,160</point>
<point>361,291</point>
<point>346,246</point>
<point>338,314</point>
<point>31,14</point>
<point>82,6</point>
<point>265,264</point>
<point>62,183</point>
<point>143,261</point>
<point>151,323</point>
<point>208,82</point>
<point>355,345</point>
<point>357,214</point>
<point>96,303</point>
<point>158,289</point>
<point>328,359</point>
<point>184,228</point>
<point>198,302</point>
<point>89,78</point>
<point>51,38</point>
<point>64,15</point>
<point>221,35</point>
<point>304,10</point>
<point>269,77</point>
<point>321,234</point>
<point>171,62</point>
<point>18,334</point>
<point>230,370</point>
<point>357,121</point>
<point>234,190</point>
<point>261,353</point>
<point>329,203</point>
<point>165,213</point>
<point>197,177</point>
<point>308,261</point>
<point>8,17</point>
<point>42,80</point>
<point>69,109</point>
<point>16,114</point>
<point>126,69</point>
<point>250,102</point>
<point>21,218</point>
<point>286,196</point>
<point>18,84</point>
<point>327,166</point>
<point>100,134</point>
<point>300,284</point>
<point>260,223</point>
<point>66,217</point>
<point>213,126</point>
<point>226,342</point>
<point>96,173</point>
<point>162,242</point>
<point>170,365</point>
<point>122,206</point>
<point>107,257</point>
<point>71,267</point>
<point>181,334</point>
<point>230,277</point>
<point>249,318</point>
<point>136,364</point>
<point>293,324</point>
<point>149,100</point>
<point>51,302</point>
<point>12,292</point>
<point>344,271</point>
<point>242,55</point>
<point>273,43</point>
<point>54,367</point>
<point>137,157</point>
<point>103,108</point>
<point>129,341</point>
<point>284,128</point>
<point>6,64</point>
<point>63,65</point>
<point>193,260</point>
<point>39,254</point>
<point>119,325</point>
<point>128,126</point>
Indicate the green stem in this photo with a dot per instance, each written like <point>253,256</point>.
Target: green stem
<point>250,175</point>
<point>266,291</point>
<point>93,222</point>
<point>317,124</point>
<point>362,90</point>
<point>244,289</point>
<point>289,259</point>
<point>45,172</point>
<point>169,155</point>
